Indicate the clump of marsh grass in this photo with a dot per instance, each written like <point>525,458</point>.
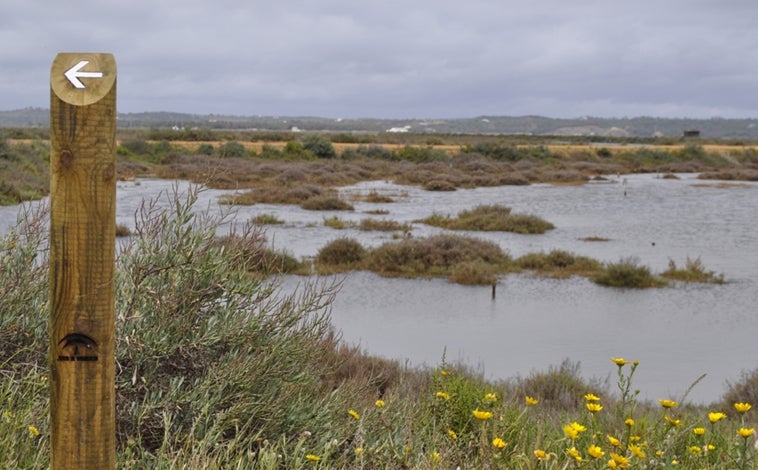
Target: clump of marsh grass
<point>558,264</point>
<point>384,225</point>
<point>490,218</point>
<point>693,271</point>
<point>339,255</point>
<point>628,273</point>
<point>435,256</point>
<point>267,219</point>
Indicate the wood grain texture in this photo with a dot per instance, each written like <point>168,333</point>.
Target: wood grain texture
<point>82,259</point>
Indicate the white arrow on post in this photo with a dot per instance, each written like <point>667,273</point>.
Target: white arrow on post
<point>74,74</point>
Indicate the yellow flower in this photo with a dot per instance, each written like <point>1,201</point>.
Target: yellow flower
<point>443,395</point>
<point>542,455</point>
<point>354,414</point>
<point>672,421</point>
<point>436,457</point>
<point>710,447</point>
<point>491,397</point>
<point>379,403</point>
<point>594,407</point>
<point>614,442</point>
<point>358,451</point>
<point>572,430</point>
<point>629,422</point>
<point>619,361</point>
<point>482,415</point>
<point>591,397</point>
<point>313,458</point>
<point>637,450</point>
<point>698,431</point>
<point>443,372</point>
<point>635,438</point>
<point>715,417</point>
<point>742,407</point>
<point>595,451</point>
<point>574,453</point>
<point>746,432</point>
<point>33,431</point>
<point>695,450</point>
<point>452,434</point>
<point>667,403</point>
<point>499,443</point>
<point>619,460</point>
<point>530,400</point>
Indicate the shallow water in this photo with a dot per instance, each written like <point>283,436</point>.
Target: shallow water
<point>676,333</point>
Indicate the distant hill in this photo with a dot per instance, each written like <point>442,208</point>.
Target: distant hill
<point>529,125</point>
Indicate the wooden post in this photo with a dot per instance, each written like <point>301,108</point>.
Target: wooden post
<point>82,261</point>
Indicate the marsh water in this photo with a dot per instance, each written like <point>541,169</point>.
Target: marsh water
<point>677,333</point>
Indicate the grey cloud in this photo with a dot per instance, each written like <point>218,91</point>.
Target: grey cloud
<point>398,58</point>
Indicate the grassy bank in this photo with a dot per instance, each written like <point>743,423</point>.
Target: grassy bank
<point>270,162</point>
<point>217,368</point>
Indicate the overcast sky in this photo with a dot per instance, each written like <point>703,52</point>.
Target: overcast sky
<point>397,59</point>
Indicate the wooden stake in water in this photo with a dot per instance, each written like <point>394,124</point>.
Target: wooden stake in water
<point>82,259</point>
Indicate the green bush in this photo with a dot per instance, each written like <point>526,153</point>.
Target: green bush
<point>342,252</point>
<point>490,218</point>
<point>628,273</point>
<point>232,149</point>
<point>319,145</point>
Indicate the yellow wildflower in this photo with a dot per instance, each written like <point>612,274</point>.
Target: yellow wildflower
<point>594,407</point>
<point>574,453</point>
<point>715,417</point>
<point>33,431</point>
<point>619,361</point>
<point>629,422</point>
<point>667,403</point>
<point>443,395</point>
<point>635,438</point>
<point>698,431</point>
<point>742,407</point>
<point>354,414</point>
<point>619,460</point>
<point>530,400</point>
<point>482,415</point>
<point>443,372</point>
<point>379,403</point>
<point>746,432</point>
<point>436,457</point>
<point>710,447</point>
<point>591,397</point>
<point>313,458</point>
<point>694,450</point>
<point>452,434</point>
<point>572,430</point>
<point>499,443</point>
<point>637,450</point>
<point>490,397</point>
<point>614,442</point>
<point>358,451</point>
<point>672,421</point>
<point>595,451</point>
<point>542,455</point>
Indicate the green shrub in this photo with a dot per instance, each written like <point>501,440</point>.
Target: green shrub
<point>693,271</point>
<point>628,273</point>
<point>232,149</point>
<point>343,252</point>
<point>434,256</point>
<point>490,218</point>
<point>558,263</point>
<point>319,145</point>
